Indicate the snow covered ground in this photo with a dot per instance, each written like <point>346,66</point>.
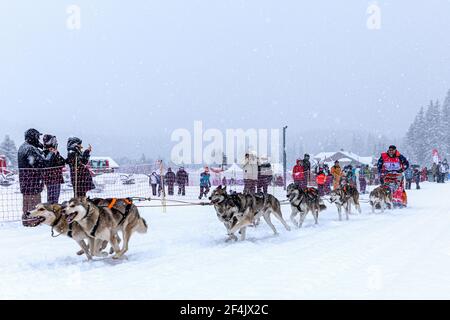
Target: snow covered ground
<point>401,254</point>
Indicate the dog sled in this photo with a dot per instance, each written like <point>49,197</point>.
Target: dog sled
<point>394,182</point>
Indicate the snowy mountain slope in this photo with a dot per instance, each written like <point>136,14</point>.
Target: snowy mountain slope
<point>395,255</point>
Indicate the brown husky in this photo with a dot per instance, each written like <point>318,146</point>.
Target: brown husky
<point>380,197</point>
<point>52,215</point>
<point>103,223</point>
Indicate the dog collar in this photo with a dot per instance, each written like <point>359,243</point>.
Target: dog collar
<point>87,212</point>
<point>57,221</point>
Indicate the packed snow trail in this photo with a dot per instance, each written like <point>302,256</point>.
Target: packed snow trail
<point>401,254</point>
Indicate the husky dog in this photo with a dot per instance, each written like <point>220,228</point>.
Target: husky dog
<point>239,210</point>
<point>345,196</point>
<point>52,215</point>
<point>103,223</point>
<point>381,197</point>
<point>304,200</point>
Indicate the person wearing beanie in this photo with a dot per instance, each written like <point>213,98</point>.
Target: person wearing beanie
<point>52,174</point>
<point>205,183</point>
<point>78,161</point>
<point>31,161</point>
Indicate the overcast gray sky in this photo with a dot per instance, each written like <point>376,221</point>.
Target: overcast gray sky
<point>136,70</point>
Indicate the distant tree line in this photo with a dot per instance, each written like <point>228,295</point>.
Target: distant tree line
<point>429,130</point>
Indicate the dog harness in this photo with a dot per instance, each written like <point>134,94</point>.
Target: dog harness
<point>127,208</point>
<point>54,224</point>
<point>69,233</point>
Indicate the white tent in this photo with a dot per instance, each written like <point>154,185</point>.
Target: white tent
<point>234,172</point>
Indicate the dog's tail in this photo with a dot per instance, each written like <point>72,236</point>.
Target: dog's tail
<point>142,226</point>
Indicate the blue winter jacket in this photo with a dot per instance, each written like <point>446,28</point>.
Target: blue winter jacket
<point>204,180</point>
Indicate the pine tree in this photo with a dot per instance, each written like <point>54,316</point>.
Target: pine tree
<point>8,148</point>
<point>431,128</point>
<point>445,125</point>
<point>421,144</point>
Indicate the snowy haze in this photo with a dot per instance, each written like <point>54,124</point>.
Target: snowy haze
<point>136,71</point>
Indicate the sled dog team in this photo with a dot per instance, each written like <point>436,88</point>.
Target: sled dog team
<point>95,223</point>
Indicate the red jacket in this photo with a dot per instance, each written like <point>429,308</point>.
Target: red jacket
<point>321,179</point>
<point>298,173</point>
<point>397,163</point>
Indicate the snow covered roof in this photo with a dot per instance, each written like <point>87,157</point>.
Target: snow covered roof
<point>112,163</point>
<point>342,156</point>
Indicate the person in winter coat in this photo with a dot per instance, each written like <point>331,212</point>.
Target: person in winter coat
<point>434,172</point>
<point>205,183</point>
<point>250,167</point>
<point>31,160</point>
<point>424,174</point>
<point>170,181</point>
<point>443,171</point>
<point>447,168</point>
<point>182,180</point>
<point>321,179</point>
<point>416,177</point>
<point>356,176</point>
<point>391,162</point>
<point>52,174</point>
<point>307,168</point>
<point>155,182</point>
<point>362,178</point>
<point>336,172</point>
<point>78,161</point>
<point>298,174</point>
<point>265,175</point>
<point>408,177</point>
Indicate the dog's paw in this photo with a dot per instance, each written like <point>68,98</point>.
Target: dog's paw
<point>80,253</point>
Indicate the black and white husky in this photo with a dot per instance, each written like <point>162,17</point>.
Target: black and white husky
<point>345,196</point>
<point>239,210</point>
<point>380,198</point>
<point>304,200</point>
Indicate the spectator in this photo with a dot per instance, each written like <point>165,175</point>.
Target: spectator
<point>264,175</point>
<point>250,167</point>
<point>329,181</point>
<point>182,180</point>
<point>408,177</point>
<point>424,174</point>
<point>298,174</point>
<point>336,172</point>
<point>443,171</point>
<point>356,176</point>
<point>347,176</point>
<point>170,181</point>
<point>321,179</point>
<point>205,183</point>
<point>435,172</point>
<point>362,179</point>
<point>416,175</point>
<point>31,160</point>
<point>78,160</point>
<point>155,182</point>
<point>445,163</point>
<point>52,175</point>
<point>307,168</point>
